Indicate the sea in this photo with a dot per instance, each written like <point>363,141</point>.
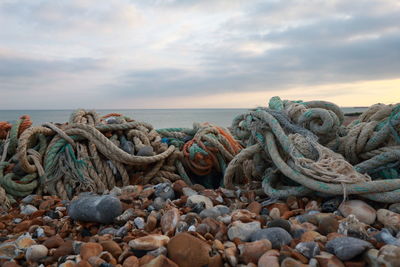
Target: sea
<point>159,118</point>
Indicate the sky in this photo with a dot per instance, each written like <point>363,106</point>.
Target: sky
<point>100,54</point>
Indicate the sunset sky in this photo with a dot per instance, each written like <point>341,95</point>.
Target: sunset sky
<point>192,54</point>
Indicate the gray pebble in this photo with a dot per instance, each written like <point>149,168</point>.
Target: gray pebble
<point>308,249</point>
<point>28,209</point>
<point>211,212</point>
<point>346,248</point>
<point>276,235</point>
<point>164,191</point>
<point>139,222</point>
<point>93,208</point>
<point>158,203</point>
<point>284,224</point>
<point>157,252</point>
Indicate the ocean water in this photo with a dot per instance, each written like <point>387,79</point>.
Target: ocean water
<point>159,118</point>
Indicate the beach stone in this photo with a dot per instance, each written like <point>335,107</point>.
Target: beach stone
<point>275,213</point>
<point>160,261</point>
<point>371,258</point>
<point>290,262</point>
<point>346,248</point>
<point>63,250</point>
<point>326,259</point>
<point>93,208</point>
<point>284,224</point>
<point>165,191</point>
<point>145,151</point>
<point>139,222</point>
<point>131,261</point>
<point>384,236</point>
<point>389,219</point>
<point>276,235</point>
<point>395,207</point>
<point>243,231</point>
<point>149,242</point>
<point>28,209</point>
<point>90,249</point>
<point>169,221</point>
<point>331,205</point>
<point>189,251</point>
<point>158,203</point>
<point>255,207</point>
<point>224,210</point>
<point>308,249</point>
<point>159,251</point>
<point>252,251</point>
<point>53,242</point>
<point>389,256</point>
<point>36,253</point>
<point>196,199</point>
<point>363,212</point>
<point>269,259</point>
<point>112,247</point>
<point>187,191</point>
<point>8,251</point>
<point>328,225</point>
<point>213,212</point>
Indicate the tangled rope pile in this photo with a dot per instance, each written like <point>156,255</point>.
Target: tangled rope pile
<point>297,148</point>
<point>93,153</point>
<point>293,147</point>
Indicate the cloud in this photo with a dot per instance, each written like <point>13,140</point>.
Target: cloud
<point>118,50</point>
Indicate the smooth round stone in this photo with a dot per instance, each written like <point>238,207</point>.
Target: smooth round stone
<point>389,219</point>
<point>346,248</point>
<point>276,235</point>
<point>93,208</point>
<point>243,231</point>
<point>36,252</point>
<point>195,199</point>
<point>149,242</point>
<point>187,191</point>
<point>389,255</point>
<point>28,209</point>
<point>308,249</point>
<point>158,251</point>
<point>280,223</point>
<point>28,199</point>
<point>164,191</point>
<point>211,213</point>
<point>361,210</point>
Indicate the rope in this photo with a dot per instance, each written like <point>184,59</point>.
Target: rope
<point>296,138</point>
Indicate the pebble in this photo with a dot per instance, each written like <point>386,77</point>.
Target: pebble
<point>164,191</point>
<point>384,236</point>
<point>139,222</point>
<point>276,235</point>
<point>90,249</point>
<point>361,210</point>
<point>169,221</point>
<point>269,259</point>
<point>28,209</point>
<point>160,261</point>
<point>8,251</point>
<point>389,255</point>
<point>131,261</point>
<point>36,253</point>
<point>149,242</point>
<point>284,224</point>
<point>53,242</point>
<point>346,248</point>
<point>243,231</point>
<point>252,251</point>
<point>159,251</point>
<point>389,219</point>
<point>308,249</point>
<point>93,208</point>
<point>210,212</point>
<point>112,247</point>
<point>331,205</point>
<point>188,251</point>
<point>158,203</point>
<point>187,191</point>
<point>196,199</point>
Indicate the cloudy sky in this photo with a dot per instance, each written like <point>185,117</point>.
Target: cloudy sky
<point>206,53</point>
